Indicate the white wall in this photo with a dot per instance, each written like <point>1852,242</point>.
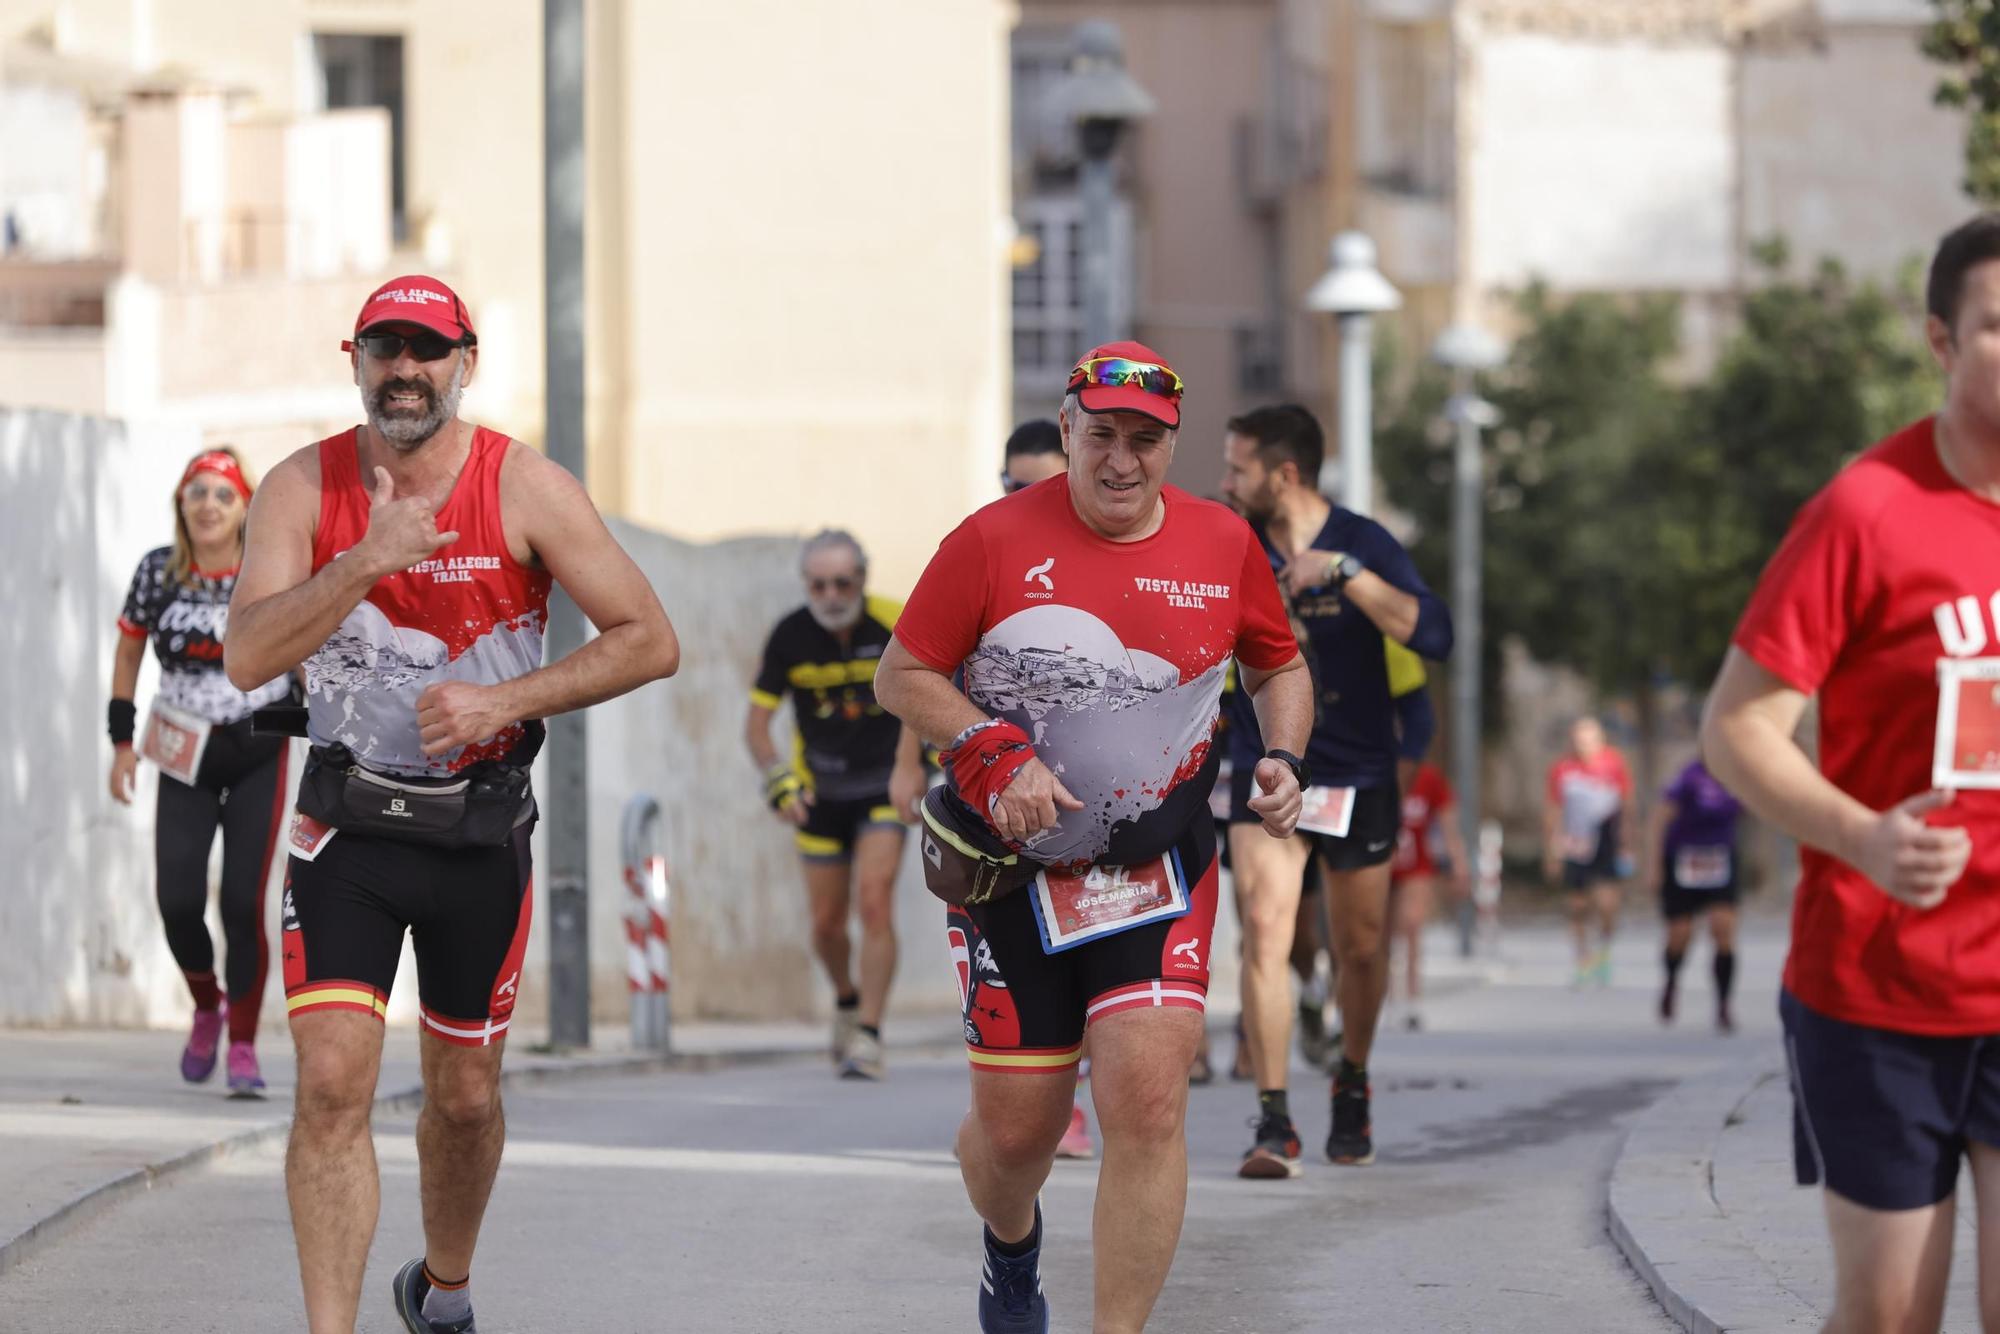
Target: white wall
<point>1872,179</point>
<point>81,500</point>
<point>1600,165</point>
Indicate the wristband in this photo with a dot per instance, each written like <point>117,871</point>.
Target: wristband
<point>121,717</point>
<point>983,759</point>
<point>781,786</point>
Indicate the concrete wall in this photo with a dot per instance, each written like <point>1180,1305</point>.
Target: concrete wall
<point>80,502</point>
<point>1872,179</point>
<point>82,499</point>
<point>1600,165</point>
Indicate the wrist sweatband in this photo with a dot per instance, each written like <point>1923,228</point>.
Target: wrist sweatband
<point>983,759</point>
<point>120,718</point>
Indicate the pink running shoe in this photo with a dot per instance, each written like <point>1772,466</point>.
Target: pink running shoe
<point>245,1080</point>
<point>1076,1140</point>
<point>198,1057</point>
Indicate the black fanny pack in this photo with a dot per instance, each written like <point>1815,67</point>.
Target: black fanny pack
<point>965,862</point>
<point>479,808</point>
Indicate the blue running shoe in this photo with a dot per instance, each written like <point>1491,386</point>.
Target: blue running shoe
<point>1010,1289</point>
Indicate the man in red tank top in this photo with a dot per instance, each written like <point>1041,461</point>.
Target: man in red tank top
<point>406,564</point>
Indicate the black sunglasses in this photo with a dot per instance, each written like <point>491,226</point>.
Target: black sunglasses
<point>423,346</point>
<point>839,583</point>
<point>1008,486</point>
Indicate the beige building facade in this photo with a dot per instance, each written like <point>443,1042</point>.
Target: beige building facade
<point>797,232</point>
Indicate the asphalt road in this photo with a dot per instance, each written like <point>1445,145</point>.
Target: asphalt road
<point>777,1198</point>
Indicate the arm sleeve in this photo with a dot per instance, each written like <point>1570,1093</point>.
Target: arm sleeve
<point>941,622</point>
<point>1416,724</point>
<point>1385,556</point>
<point>1809,596</point>
<point>1264,636</point>
<point>136,619</point>
<point>772,678</point>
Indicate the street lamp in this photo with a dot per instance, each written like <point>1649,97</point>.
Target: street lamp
<point>1100,99</point>
<point>1354,291</point>
<point>1465,351</point>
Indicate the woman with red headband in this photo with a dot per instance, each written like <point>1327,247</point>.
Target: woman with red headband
<point>213,771</point>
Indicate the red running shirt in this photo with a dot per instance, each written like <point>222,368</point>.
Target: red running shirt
<point>1110,655</point>
<point>469,613</point>
<point>1890,568</point>
<point>1428,797</point>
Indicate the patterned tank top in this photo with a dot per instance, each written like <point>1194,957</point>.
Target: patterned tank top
<point>470,612</point>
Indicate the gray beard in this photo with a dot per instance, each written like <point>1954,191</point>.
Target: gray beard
<point>406,433</point>
<point>845,619</point>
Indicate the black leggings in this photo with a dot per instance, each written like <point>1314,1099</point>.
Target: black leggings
<point>241,787</point>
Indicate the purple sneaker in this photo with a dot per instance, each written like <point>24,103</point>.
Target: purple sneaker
<point>245,1080</point>
<point>198,1057</point>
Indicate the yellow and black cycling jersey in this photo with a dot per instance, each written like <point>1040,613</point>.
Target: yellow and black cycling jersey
<point>846,744</point>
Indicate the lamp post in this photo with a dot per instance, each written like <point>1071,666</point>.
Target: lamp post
<point>1354,291</point>
<point>1100,99</point>
<point>1465,351</point>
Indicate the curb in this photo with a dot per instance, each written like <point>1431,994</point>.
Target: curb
<point>1665,1219</point>
<point>73,1214</point>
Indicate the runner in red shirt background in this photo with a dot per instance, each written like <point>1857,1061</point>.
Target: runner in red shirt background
<point>1430,810</point>
<point>1892,988</point>
<point>1586,841</point>
<point>1067,645</point>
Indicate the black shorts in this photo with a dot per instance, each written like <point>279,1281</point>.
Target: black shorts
<point>1882,1118</point>
<point>466,910</point>
<point>833,825</point>
<point>1579,876</point>
<point>1026,1010</point>
<point>1679,901</point>
<point>1371,831</point>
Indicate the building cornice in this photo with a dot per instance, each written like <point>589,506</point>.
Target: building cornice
<point>1641,20</point>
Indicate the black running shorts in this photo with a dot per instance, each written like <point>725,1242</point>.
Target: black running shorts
<point>466,910</point>
<point>1026,1010</point>
<point>832,826</point>
<point>1371,830</point>
<point>1882,1118</point>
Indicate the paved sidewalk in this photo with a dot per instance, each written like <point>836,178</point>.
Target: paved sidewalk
<point>89,1116</point>
<point>1704,1204</point>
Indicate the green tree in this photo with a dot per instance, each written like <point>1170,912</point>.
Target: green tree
<point>1965,37</point>
<point>1629,513</point>
<point>1583,398</point>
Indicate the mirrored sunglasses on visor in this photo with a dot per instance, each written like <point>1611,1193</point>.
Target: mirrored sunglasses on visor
<point>423,346</point>
<point>1125,373</point>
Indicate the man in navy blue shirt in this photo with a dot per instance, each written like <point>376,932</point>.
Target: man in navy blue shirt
<point>1348,585</point>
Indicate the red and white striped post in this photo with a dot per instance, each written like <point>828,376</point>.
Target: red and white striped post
<point>648,961</point>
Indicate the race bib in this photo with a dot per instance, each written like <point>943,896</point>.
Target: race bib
<point>309,837</point>
<point>175,740</point>
<point>1075,908</point>
<point>1327,810</point>
<point>1967,752</point>
<point>1703,868</point>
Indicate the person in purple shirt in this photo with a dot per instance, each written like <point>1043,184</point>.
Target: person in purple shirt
<point>1693,867</point>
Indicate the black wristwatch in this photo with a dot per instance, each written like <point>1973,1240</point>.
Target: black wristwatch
<point>1346,567</point>
<point>1295,764</point>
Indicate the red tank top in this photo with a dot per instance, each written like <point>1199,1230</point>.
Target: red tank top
<point>471,612</point>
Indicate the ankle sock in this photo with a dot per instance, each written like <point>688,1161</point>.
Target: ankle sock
<point>851,1001</point>
<point>872,1030</point>
<point>446,1301</point>
<point>1014,1250</point>
<point>1273,1102</point>
<point>1350,1073</point>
